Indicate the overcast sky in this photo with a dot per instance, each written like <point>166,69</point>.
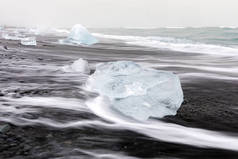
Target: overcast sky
<point>119,13</point>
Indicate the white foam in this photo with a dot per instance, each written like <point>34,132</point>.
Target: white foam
<point>165,131</point>
<point>153,128</point>
<point>192,76</point>
<point>63,31</point>
<point>49,102</point>
<point>104,154</point>
<point>47,30</point>
<point>78,66</point>
<point>214,69</point>
<point>175,27</point>
<point>174,44</point>
<point>15,36</point>
<point>229,27</point>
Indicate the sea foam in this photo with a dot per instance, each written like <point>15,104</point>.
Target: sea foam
<point>175,44</point>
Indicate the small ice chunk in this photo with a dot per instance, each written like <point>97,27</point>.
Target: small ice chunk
<point>79,66</point>
<point>79,35</point>
<point>137,92</point>
<point>29,41</point>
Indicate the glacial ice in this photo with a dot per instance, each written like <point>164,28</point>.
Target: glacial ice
<point>79,66</point>
<point>79,35</point>
<point>137,92</point>
<point>29,41</point>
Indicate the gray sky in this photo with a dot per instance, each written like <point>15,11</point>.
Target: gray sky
<point>119,13</point>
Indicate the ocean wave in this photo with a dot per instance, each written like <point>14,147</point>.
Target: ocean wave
<point>175,44</point>
<point>228,27</point>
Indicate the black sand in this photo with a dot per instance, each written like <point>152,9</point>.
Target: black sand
<point>209,104</point>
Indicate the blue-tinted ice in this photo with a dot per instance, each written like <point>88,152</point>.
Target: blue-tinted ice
<point>29,41</point>
<point>79,35</point>
<point>137,92</point>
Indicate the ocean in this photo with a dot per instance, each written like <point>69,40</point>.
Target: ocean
<point>46,112</point>
<point>219,40</point>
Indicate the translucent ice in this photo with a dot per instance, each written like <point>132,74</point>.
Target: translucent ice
<point>80,66</point>
<point>137,92</point>
<point>31,41</point>
<point>79,35</point>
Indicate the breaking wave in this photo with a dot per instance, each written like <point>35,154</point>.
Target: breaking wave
<point>175,44</point>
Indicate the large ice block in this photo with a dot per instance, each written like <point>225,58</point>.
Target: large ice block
<point>137,92</point>
<point>79,35</point>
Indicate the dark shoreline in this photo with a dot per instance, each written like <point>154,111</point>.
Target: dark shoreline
<point>209,104</point>
<point>40,142</point>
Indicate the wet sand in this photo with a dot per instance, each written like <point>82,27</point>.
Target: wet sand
<point>209,104</point>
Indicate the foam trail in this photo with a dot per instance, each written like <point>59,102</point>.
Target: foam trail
<point>203,68</point>
<point>14,110</point>
<point>96,153</point>
<point>55,124</point>
<point>165,131</point>
<point>45,30</point>
<point>190,76</point>
<point>17,108</point>
<point>102,154</point>
<point>34,103</point>
<point>174,44</point>
<point>50,102</point>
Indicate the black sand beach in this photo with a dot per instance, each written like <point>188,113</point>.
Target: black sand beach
<point>209,104</point>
